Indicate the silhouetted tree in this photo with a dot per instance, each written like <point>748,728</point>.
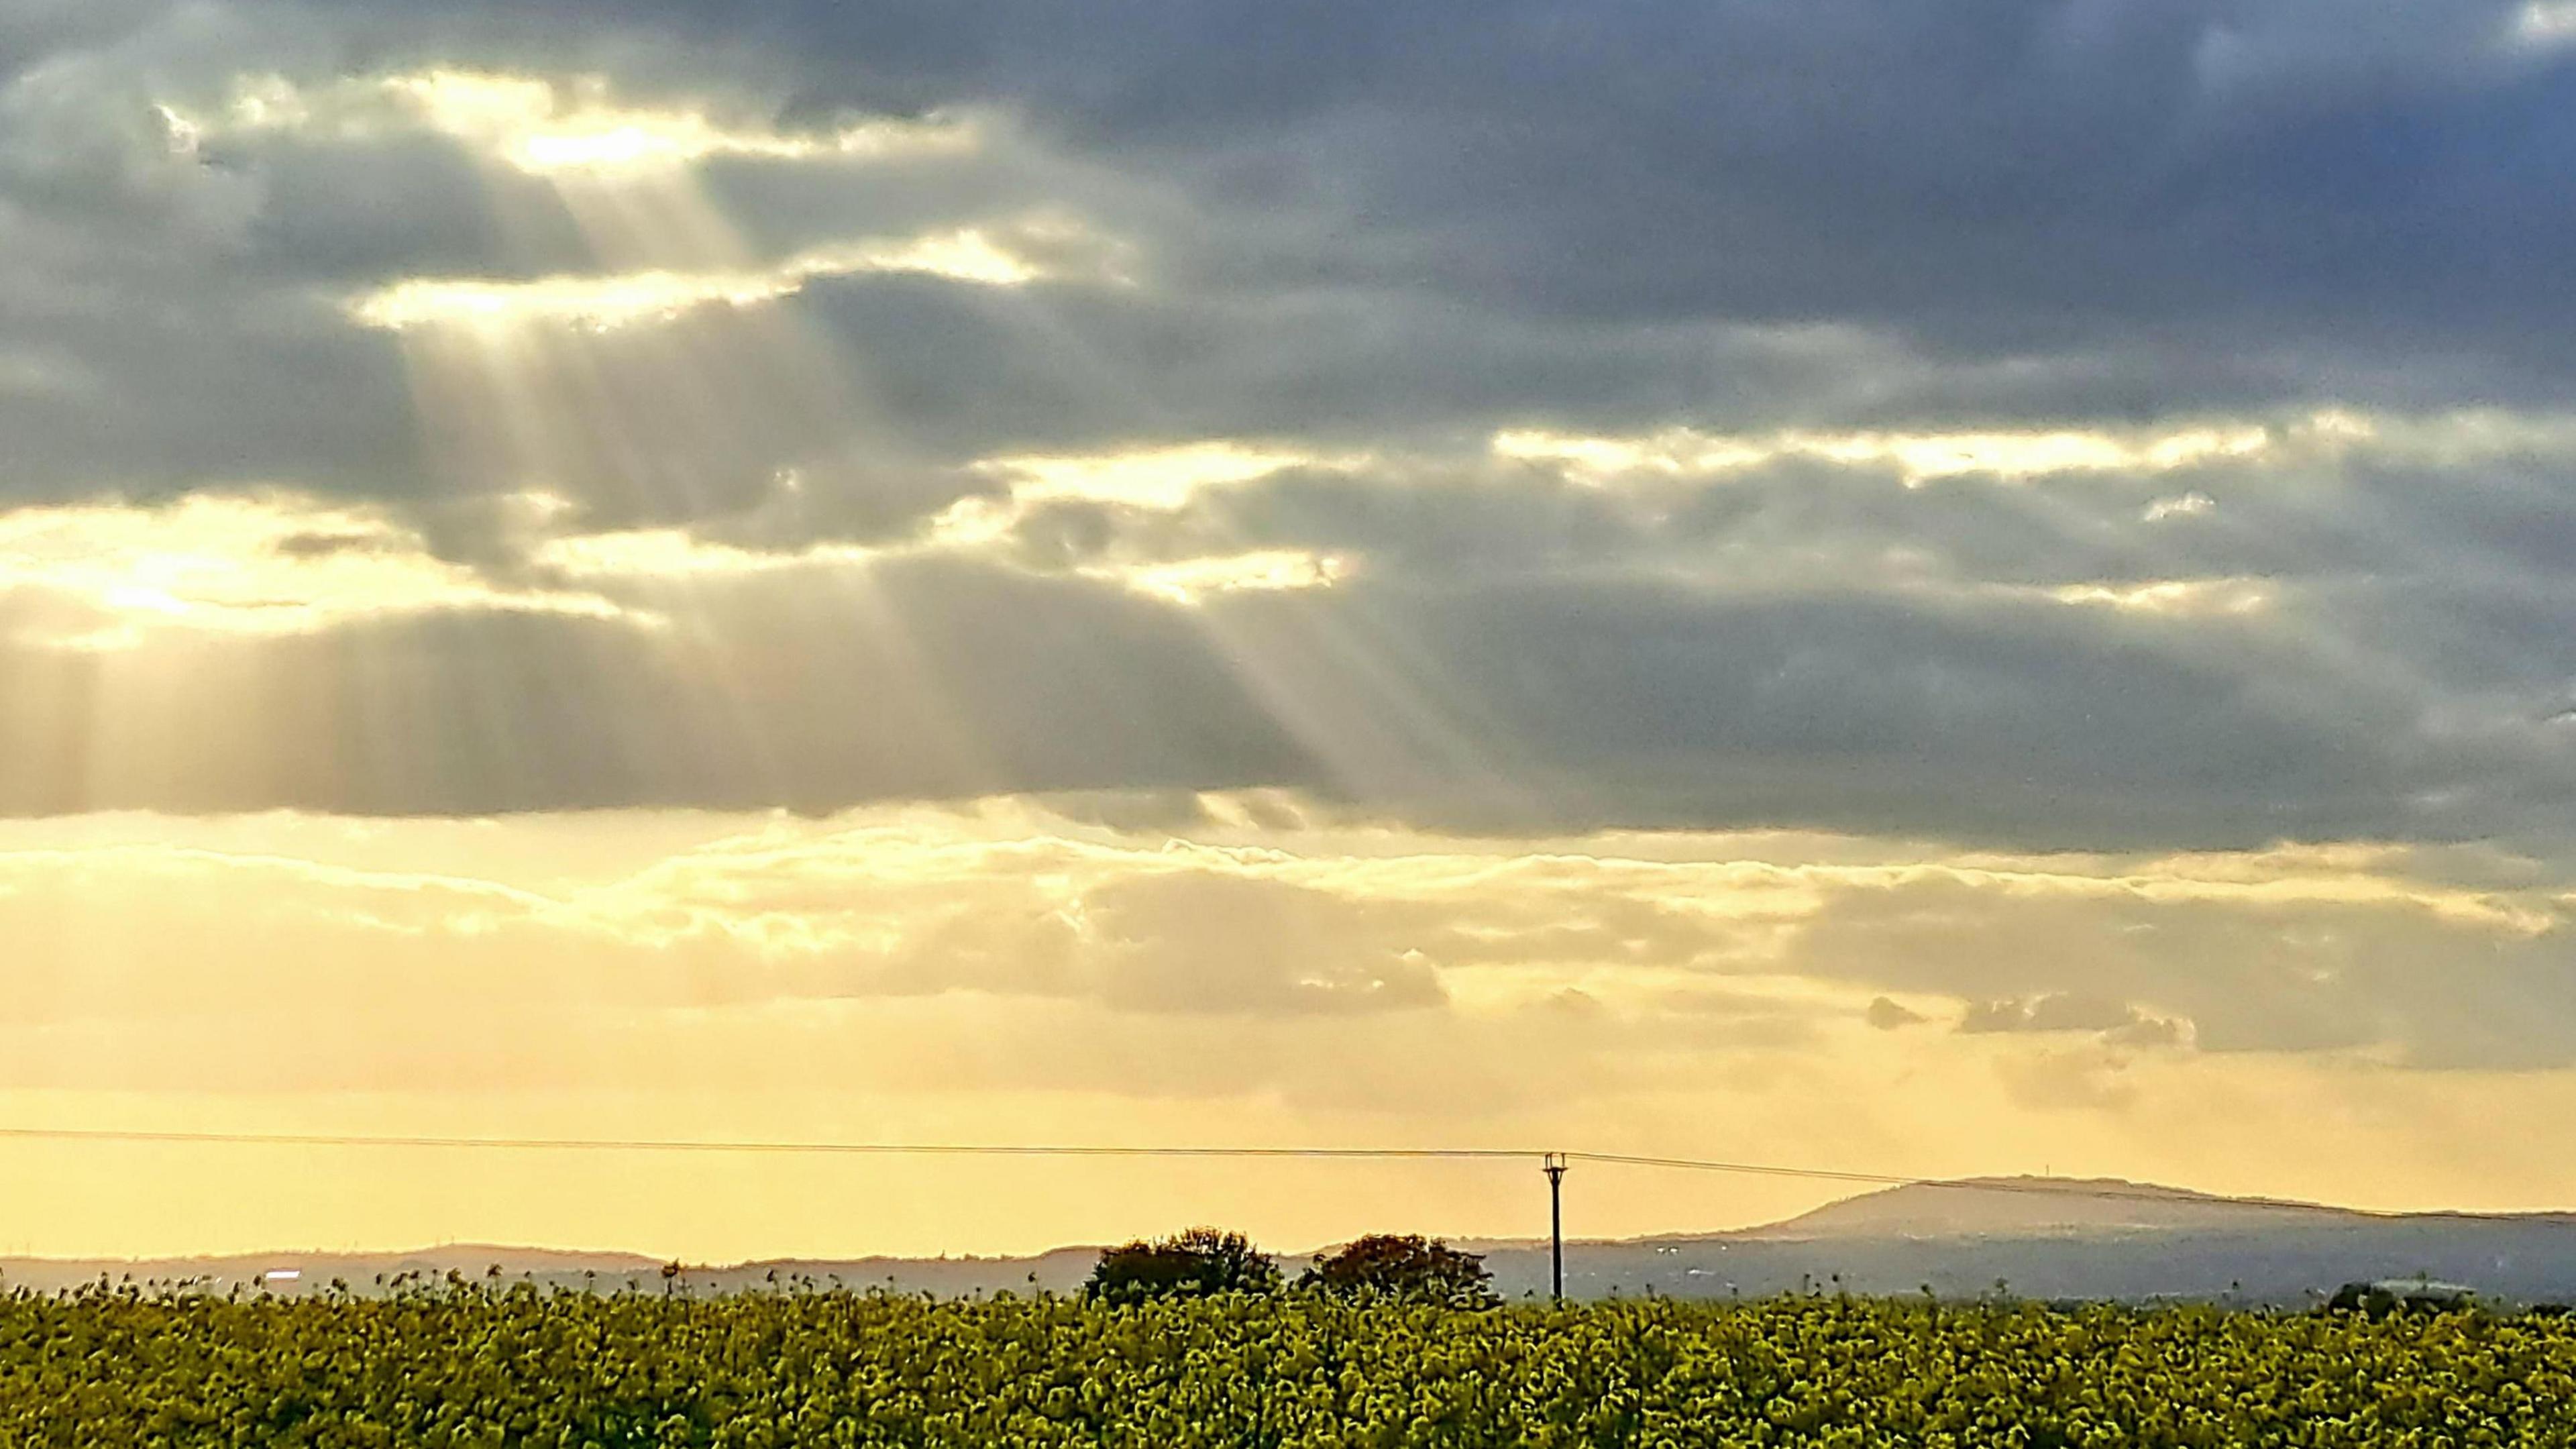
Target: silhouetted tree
<point>2378,1300</point>
<point>1192,1264</point>
<point>1392,1266</point>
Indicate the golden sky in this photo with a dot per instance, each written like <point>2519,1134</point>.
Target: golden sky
<point>999,971</point>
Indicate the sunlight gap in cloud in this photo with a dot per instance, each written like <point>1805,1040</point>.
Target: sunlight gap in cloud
<point>1191,580</point>
<point>642,557</point>
<point>603,303</point>
<point>673,553</point>
<point>2171,597</point>
<point>538,125</point>
<point>2546,24</point>
<point>2186,505</point>
<point>1160,478</point>
<point>262,563</point>
<point>1917,458</point>
<point>1163,476</point>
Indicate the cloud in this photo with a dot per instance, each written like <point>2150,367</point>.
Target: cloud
<point>1917,458</point>
<point>231,565</point>
<point>1275,308</point>
<point>2246,974</point>
<point>2205,156</point>
<point>1444,637</point>
<point>601,934</point>
<point>536,125</point>
<point>1889,1015</point>
<point>624,299</point>
<point>2186,505</point>
<point>1267,968</point>
<point>2113,1021</point>
<point>2086,438</point>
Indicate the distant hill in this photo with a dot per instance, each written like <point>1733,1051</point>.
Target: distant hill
<point>2055,1238</point>
<point>2022,1206</point>
<point>2046,1238</point>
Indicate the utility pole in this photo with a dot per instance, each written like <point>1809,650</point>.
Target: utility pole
<point>1555,1169</point>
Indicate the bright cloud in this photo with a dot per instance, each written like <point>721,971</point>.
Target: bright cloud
<point>2184,505</point>
<point>246,563</point>
<point>1917,457</point>
<point>667,553</point>
<point>1187,581</point>
<point>2171,596</point>
<point>603,303</point>
<point>2546,23</point>
<point>541,125</point>
<point>1159,476</point>
<point>2448,439</point>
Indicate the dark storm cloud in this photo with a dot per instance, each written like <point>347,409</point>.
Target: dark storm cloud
<point>1515,652</point>
<point>1518,705</point>
<point>1652,704</point>
<point>1364,218</point>
<point>1441,519</point>
<point>1387,229</point>
<point>1073,367</point>
<point>1994,172</point>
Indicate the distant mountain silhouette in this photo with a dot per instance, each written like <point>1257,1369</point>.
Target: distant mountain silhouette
<point>2046,1238</point>
<point>2014,1206</point>
<point>2056,1238</point>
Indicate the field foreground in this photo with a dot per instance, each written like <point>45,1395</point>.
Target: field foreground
<point>475,1367</point>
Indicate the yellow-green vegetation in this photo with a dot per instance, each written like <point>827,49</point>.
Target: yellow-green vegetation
<point>491,1368</point>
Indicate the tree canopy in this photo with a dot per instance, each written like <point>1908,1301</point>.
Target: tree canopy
<point>1403,1266</point>
<point>1193,1264</point>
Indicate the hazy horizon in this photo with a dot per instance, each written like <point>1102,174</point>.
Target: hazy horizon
<point>1973,1206</point>
<point>2046,1240</point>
<point>1971,589</point>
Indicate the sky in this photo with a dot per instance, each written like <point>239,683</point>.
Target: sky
<point>1973,587</point>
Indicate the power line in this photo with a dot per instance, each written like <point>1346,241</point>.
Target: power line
<point>2034,1186</point>
<point>1069,1150</point>
<point>1760,1169</point>
<point>664,1144</point>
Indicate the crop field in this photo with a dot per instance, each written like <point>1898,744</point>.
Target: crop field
<point>491,1367</point>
